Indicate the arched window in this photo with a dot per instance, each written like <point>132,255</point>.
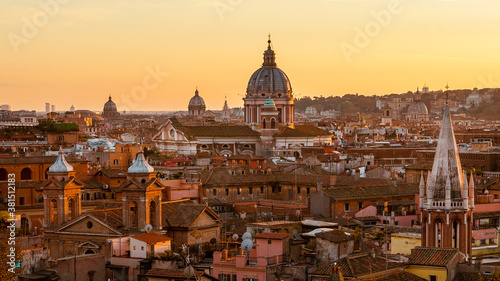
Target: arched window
<point>273,123</point>
<point>25,225</point>
<point>455,235</point>
<point>3,174</point>
<point>438,226</point>
<point>89,252</point>
<point>26,174</point>
<point>152,213</point>
<point>134,219</point>
<point>71,208</point>
<point>263,123</point>
<point>53,211</point>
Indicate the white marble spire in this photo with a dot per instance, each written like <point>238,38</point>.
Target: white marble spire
<point>446,169</point>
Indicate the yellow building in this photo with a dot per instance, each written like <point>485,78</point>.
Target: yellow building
<point>434,264</point>
<point>403,243</point>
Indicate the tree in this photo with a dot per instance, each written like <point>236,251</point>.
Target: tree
<point>5,250</point>
<point>197,234</point>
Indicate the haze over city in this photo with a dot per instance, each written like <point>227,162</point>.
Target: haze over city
<point>87,50</point>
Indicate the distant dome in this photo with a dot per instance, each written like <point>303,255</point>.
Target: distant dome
<point>417,107</point>
<point>417,111</point>
<point>196,105</point>
<point>311,110</point>
<point>110,109</point>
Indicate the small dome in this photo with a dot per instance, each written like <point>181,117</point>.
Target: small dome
<point>417,107</point>
<point>269,103</point>
<point>196,100</point>
<point>140,165</point>
<point>109,105</point>
<point>61,165</point>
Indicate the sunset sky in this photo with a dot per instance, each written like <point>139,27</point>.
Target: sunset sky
<point>89,49</point>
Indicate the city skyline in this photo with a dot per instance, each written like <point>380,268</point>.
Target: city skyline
<point>75,53</point>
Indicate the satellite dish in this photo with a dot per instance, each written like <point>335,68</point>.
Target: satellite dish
<point>246,245</point>
<point>246,235</point>
<point>148,228</point>
<point>235,237</point>
<point>213,241</point>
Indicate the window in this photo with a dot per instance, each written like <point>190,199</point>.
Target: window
<point>235,277</point>
<point>22,201</point>
<point>360,205</point>
<point>26,174</point>
<point>239,191</point>
<point>214,192</point>
<point>432,278</point>
<point>269,241</point>
<point>89,224</point>
<point>279,189</point>
<point>115,162</point>
<point>227,191</point>
<point>142,248</point>
<point>298,190</point>
<point>135,248</point>
<point>261,189</point>
<point>308,190</point>
<point>347,207</point>
<point>224,277</point>
<point>3,174</point>
<point>250,190</point>
<point>273,189</point>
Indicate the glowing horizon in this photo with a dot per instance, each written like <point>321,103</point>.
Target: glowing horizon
<point>87,50</point>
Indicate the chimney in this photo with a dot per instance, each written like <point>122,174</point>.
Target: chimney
<point>333,180</point>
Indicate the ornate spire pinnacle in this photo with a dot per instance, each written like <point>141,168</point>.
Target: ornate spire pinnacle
<point>447,87</point>
<point>61,165</point>
<point>446,170</point>
<point>269,56</point>
<point>109,96</point>
<point>140,165</point>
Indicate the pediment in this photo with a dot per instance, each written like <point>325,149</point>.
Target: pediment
<point>88,225</point>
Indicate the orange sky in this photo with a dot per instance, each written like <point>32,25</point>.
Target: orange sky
<point>79,52</point>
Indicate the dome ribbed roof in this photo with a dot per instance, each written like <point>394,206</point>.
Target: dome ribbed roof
<point>110,105</point>
<point>196,100</point>
<point>417,107</point>
<point>269,103</point>
<point>140,165</point>
<point>61,165</point>
<point>269,78</point>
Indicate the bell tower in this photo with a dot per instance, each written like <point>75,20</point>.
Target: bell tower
<point>61,193</point>
<point>447,199</point>
<point>141,195</point>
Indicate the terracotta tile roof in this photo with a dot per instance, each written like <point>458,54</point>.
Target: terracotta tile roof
<point>168,208</point>
<point>113,173</point>
<point>91,184</point>
<point>335,236</point>
<point>471,276</point>
<point>112,217</point>
<point>387,190</point>
<point>272,235</point>
<point>246,157</point>
<point>37,160</point>
<point>432,256</point>
<point>186,214</point>
<point>191,132</point>
<point>358,265</point>
<point>397,275</point>
<point>174,274</point>
<point>151,238</point>
<point>426,166</point>
<point>302,131</point>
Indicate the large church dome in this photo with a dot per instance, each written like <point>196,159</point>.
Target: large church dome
<point>269,80</point>
<point>110,105</point>
<point>196,105</point>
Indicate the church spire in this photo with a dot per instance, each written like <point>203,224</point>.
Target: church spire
<point>446,170</point>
